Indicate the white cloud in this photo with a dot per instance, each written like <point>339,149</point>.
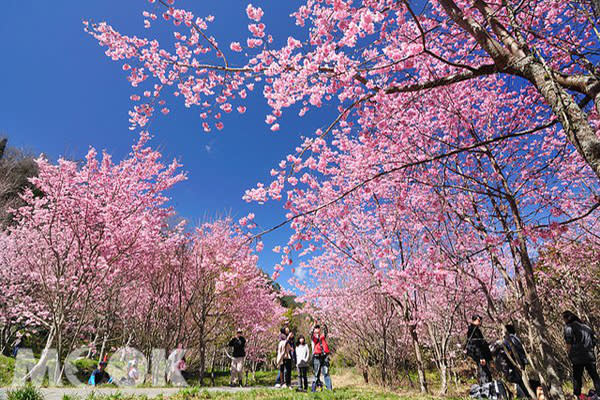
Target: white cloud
<point>300,273</point>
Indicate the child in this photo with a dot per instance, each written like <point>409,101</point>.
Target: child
<point>302,354</point>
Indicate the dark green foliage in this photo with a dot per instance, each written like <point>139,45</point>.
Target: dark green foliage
<point>85,367</point>
<point>15,170</point>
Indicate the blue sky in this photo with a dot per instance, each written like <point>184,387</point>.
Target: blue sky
<point>61,94</point>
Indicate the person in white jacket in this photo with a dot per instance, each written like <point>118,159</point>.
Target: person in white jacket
<point>284,360</point>
<point>302,355</point>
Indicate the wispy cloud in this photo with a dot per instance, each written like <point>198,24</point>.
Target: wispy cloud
<point>300,273</point>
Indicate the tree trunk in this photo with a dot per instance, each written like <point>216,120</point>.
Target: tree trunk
<point>213,359</point>
<point>534,313</point>
<point>419,356</point>
<point>444,378</point>
<point>385,359</point>
<point>202,366</point>
<point>572,118</point>
<point>545,355</point>
<point>92,346</point>
<point>41,364</point>
<point>104,339</point>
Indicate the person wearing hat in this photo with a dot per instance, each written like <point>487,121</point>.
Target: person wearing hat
<point>479,350</point>
<point>237,361</point>
<point>99,375</point>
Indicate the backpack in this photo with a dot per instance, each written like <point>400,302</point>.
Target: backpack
<point>495,390</point>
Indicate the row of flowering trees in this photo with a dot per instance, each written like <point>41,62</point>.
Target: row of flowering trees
<point>92,260</point>
<point>458,173</point>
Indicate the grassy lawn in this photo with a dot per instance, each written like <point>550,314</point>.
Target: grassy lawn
<point>7,366</point>
<point>285,394</point>
<point>267,394</point>
<point>31,393</point>
<point>221,378</point>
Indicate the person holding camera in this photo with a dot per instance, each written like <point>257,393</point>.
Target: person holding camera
<point>237,362</point>
<point>320,356</point>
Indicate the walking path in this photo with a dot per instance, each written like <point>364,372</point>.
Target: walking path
<point>84,392</point>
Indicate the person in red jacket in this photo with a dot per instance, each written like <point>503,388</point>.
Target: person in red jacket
<point>320,357</point>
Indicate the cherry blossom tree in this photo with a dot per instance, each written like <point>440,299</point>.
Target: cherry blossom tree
<point>224,289</point>
<point>194,290</point>
<point>92,222</point>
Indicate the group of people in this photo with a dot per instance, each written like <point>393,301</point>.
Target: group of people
<point>509,356</point>
<point>291,353</point>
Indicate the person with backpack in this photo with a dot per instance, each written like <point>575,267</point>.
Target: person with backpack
<point>581,341</point>
<point>479,350</point>
<point>320,357</point>
<point>511,359</point>
<point>302,355</point>
<point>284,361</point>
<point>283,333</point>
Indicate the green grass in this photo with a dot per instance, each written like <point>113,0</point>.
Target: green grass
<point>7,366</point>
<point>269,394</point>
<point>288,394</point>
<point>27,392</point>
<point>221,378</point>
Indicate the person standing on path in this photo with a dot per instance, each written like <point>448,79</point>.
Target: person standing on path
<point>284,361</point>
<point>320,357</point>
<point>302,355</point>
<point>283,333</point>
<point>479,350</point>
<point>581,342</point>
<point>292,342</point>
<point>237,362</point>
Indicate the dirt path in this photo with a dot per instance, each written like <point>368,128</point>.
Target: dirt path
<point>84,392</point>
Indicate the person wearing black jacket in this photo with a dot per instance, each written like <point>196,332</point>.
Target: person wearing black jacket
<point>237,362</point>
<point>580,341</point>
<point>511,359</point>
<point>479,350</point>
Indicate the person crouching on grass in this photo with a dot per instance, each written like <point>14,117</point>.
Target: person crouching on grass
<point>99,375</point>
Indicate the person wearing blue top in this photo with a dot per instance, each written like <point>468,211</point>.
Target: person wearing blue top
<point>100,376</point>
